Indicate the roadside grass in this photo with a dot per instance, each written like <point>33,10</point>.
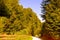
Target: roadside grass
<point>15,37</point>
<point>23,37</point>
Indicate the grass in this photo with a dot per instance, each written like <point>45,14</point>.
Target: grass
<point>15,37</point>
<point>23,37</point>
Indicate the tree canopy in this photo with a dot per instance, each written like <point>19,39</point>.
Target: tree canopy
<point>18,20</point>
<point>51,14</point>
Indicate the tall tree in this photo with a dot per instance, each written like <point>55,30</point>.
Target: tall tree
<point>51,14</point>
<point>18,19</point>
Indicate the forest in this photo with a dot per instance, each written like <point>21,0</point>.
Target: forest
<point>17,20</point>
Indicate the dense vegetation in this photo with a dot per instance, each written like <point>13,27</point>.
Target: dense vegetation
<point>14,19</point>
<point>51,14</point>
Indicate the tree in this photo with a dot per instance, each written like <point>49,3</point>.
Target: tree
<point>18,20</point>
<point>51,14</point>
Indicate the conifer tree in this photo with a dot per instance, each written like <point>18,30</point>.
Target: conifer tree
<point>51,14</point>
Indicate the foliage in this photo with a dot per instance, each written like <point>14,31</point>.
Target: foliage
<point>51,14</point>
<point>18,20</point>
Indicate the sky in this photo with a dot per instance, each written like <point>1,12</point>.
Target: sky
<point>35,5</point>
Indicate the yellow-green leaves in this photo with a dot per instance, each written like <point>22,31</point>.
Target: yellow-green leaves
<point>14,19</point>
<point>52,17</point>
